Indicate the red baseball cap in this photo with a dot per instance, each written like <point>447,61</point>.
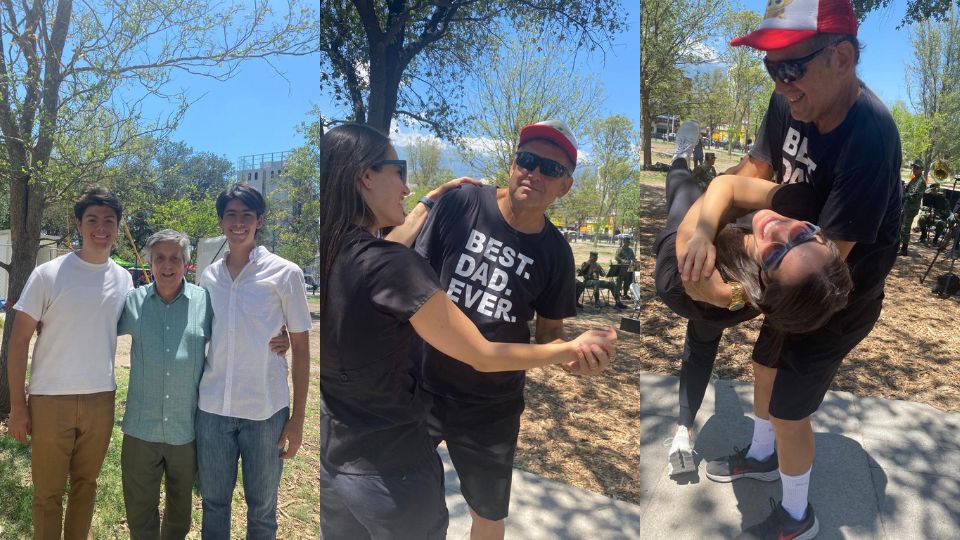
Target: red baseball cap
<point>788,22</point>
<point>554,131</point>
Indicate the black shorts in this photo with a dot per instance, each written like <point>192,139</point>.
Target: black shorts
<point>482,440</point>
<point>807,363</point>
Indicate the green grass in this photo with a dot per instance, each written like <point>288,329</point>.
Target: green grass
<point>298,503</point>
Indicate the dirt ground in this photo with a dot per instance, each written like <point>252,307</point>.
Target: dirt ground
<point>585,432</point>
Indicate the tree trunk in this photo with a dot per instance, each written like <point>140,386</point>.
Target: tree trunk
<point>26,211</point>
<point>646,124</point>
<point>386,68</point>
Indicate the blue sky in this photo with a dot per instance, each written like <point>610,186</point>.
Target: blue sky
<point>257,111</point>
<point>888,50</point>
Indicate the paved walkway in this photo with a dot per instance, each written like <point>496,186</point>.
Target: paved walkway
<point>884,468</point>
<point>542,509</point>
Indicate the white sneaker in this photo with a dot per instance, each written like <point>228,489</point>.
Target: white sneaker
<point>680,457</point>
<point>687,137</point>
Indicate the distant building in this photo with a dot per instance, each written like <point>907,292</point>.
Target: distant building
<point>263,172</point>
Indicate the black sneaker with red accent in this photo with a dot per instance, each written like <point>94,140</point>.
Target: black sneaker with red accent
<point>738,465</point>
<point>779,525</point>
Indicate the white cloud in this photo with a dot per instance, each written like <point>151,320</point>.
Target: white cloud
<point>409,137</point>
<point>703,52</point>
<point>406,137</point>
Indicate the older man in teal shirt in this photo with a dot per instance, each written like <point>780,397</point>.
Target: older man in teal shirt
<point>170,323</point>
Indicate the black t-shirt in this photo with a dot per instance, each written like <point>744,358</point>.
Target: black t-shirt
<point>372,419</point>
<point>499,277</point>
<point>848,182</point>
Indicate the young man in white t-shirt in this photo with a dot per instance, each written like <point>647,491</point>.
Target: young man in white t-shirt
<point>68,420</point>
<point>244,402</point>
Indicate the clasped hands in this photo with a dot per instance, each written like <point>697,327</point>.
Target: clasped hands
<point>595,349</point>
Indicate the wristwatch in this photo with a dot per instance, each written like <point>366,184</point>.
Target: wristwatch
<point>738,299</point>
<point>427,201</point>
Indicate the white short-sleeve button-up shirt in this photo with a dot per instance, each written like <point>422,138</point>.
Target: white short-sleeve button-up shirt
<point>242,378</point>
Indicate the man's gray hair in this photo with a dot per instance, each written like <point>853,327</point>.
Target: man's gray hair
<point>168,235</point>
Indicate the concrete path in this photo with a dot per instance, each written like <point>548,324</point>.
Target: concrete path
<point>884,468</point>
<point>542,509</point>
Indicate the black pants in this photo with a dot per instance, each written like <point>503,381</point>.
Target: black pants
<point>384,507</point>
<point>705,323</point>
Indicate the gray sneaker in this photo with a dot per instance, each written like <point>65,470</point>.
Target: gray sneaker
<point>738,465</point>
<point>680,458</point>
<point>687,137</point>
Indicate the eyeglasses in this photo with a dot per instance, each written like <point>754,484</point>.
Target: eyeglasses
<point>788,71</point>
<point>401,164</point>
<point>774,253</point>
<point>548,167</point>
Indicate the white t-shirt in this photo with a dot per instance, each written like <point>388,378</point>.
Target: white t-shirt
<point>79,304</point>
<point>242,378</point>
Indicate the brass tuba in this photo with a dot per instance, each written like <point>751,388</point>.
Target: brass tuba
<point>941,169</point>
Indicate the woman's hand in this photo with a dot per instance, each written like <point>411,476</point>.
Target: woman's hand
<point>435,194</point>
<point>697,258</point>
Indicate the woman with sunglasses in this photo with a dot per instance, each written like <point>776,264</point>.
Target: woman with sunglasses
<point>381,476</point>
<point>766,263</point>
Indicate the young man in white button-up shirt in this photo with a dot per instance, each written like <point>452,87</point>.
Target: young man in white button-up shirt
<point>244,402</point>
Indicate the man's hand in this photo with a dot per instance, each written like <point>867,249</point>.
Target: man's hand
<point>280,343</point>
<point>291,437</point>
<point>19,425</point>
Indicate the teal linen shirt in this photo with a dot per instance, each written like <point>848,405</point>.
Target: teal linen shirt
<point>166,361</point>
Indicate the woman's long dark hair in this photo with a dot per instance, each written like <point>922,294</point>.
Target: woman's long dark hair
<point>796,308</point>
<point>346,151</point>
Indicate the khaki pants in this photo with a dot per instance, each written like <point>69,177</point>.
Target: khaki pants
<point>70,436</point>
<point>144,464</point>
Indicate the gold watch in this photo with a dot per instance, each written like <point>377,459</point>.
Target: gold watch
<point>738,299</point>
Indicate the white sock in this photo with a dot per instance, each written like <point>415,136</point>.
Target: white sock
<point>761,447</point>
<point>795,490</point>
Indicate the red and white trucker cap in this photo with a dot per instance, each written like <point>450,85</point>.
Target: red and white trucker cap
<point>554,131</point>
<point>788,22</point>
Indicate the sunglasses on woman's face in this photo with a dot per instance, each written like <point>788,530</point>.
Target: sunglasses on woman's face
<point>788,71</point>
<point>548,167</point>
<point>400,164</point>
<point>773,254</point>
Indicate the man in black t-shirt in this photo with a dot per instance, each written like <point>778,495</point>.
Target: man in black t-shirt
<point>503,263</point>
<point>836,145</point>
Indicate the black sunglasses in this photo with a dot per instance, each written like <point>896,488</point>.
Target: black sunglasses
<point>774,253</point>
<point>401,165</point>
<point>548,167</point>
<point>788,71</point>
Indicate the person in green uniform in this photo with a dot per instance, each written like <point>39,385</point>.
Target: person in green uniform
<point>912,197</point>
<point>591,272</point>
<point>934,215</point>
<point>705,172</point>
<point>625,256</point>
